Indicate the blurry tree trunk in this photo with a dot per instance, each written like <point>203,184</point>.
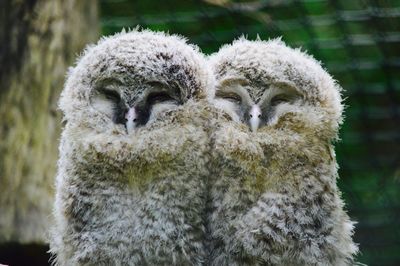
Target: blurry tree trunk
<point>39,39</point>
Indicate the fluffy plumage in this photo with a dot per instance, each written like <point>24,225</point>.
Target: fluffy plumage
<point>274,195</point>
<point>133,198</point>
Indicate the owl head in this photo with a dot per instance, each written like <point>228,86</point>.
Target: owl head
<point>262,84</point>
<point>135,99</point>
<point>129,80</point>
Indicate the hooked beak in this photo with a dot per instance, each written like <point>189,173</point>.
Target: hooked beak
<point>255,118</point>
<point>131,119</point>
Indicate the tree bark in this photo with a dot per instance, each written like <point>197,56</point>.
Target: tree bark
<point>39,39</point>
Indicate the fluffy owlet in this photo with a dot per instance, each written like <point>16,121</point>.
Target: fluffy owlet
<point>274,195</point>
<point>132,167</point>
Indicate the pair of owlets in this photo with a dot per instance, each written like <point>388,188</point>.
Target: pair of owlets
<point>172,158</point>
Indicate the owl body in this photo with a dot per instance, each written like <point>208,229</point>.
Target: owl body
<point>133,197</point>
<point>274,195</point>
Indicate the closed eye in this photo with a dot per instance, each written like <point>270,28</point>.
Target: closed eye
<point>230,96</point>
<point>282,98</point>
<point>111,95</point>
<point>107,101</point>
<point>158,97</point>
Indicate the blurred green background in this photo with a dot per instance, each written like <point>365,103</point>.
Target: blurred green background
<point>358,42</point>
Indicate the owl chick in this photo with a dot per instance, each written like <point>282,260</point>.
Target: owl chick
<point>130,188</point>
<point>274,195</point>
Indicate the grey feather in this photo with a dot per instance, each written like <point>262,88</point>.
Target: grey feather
<point>274,195</point>
<point>139,198</point>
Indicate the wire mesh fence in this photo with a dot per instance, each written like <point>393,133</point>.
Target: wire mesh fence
<point>359,44</point>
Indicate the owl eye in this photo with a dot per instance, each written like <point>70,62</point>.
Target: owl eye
<point>230,96</point>
<point>108,101</point>
<point>279,99</point>
<point>158,97</point>
<point>111,95</point>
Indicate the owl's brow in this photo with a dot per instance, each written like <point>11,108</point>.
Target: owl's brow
<point>233,80</point>
<point>173,88</point>
<point>106,82</point>
<point>278,88</point>
<point>287,86</point>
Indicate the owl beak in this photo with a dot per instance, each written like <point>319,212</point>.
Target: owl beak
<point>131,119</point>
<point>255,117</point>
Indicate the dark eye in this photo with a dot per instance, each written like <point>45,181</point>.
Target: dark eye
<point>157,97</point>
<point>233,97</point>
<point>279,99</point>
<point>111,95</point>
